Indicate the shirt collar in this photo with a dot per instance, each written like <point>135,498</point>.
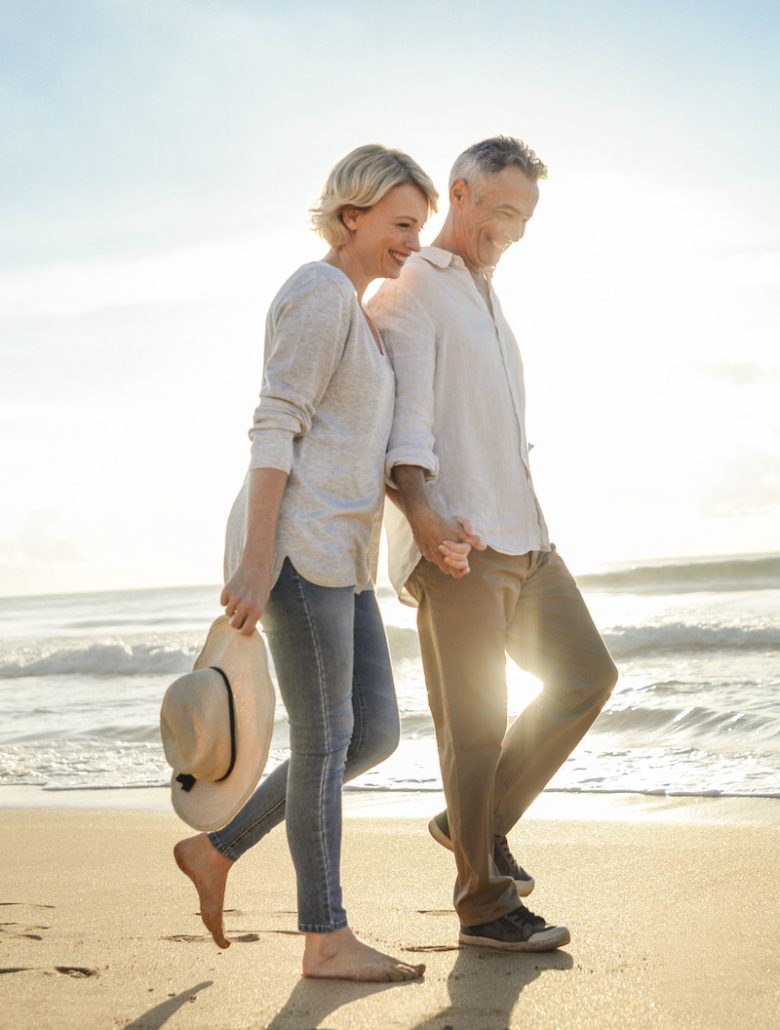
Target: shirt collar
<point>441,258</point>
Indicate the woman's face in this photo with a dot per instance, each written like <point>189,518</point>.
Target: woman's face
<point>383,236</point>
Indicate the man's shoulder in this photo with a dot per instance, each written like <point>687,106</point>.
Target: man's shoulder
<point>420,277</point>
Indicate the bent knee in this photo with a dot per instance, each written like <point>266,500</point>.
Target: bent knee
<point>384,740</point>
<point>604,680</point>
<point>382,733</point>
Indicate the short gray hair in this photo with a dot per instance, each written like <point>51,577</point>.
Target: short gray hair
<point>361,179</point>
<point>491,156</point>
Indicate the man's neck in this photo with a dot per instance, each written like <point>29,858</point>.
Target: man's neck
<point>446,241</point>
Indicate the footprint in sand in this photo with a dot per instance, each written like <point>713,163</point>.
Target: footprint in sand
<point>199,938</point>
<point>77,972</point>
<point>249,937</point>
<point>22,904</point>
<point>433,947</point>
<point>19,930</point>
<point>22,931</point>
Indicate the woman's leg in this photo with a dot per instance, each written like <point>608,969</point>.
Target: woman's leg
<point>374,736</point>
<point>376,724</point>
<point>323,730</point>
<point>310,632</point>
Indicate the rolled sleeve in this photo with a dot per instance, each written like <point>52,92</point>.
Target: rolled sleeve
<point>307,333</point>
<point>410,338</point>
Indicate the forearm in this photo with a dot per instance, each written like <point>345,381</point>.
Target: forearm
<point>264,499</point>
<point>441,539</point>
<point>245,594</point>
<point>411,496</point>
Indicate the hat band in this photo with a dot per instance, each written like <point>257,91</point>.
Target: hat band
<point>187,780</point>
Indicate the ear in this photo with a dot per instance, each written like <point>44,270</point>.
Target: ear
<point>459,192</point>
<point>349,217</point>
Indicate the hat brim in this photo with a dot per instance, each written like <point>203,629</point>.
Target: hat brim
<point>210,806</point>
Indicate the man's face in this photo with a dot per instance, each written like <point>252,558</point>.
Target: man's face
<point>492,212</point>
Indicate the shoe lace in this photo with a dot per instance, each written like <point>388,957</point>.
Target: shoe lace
<point>502,845</point>
<point>521,914</point>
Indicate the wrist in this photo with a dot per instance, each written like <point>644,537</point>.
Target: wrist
<point>257,561</point>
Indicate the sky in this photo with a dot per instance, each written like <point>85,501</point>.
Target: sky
<point>159,159</point>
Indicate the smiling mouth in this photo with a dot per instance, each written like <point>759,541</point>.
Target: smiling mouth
<point>398,257</point>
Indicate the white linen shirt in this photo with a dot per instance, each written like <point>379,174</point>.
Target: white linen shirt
<point>324,417</point>
<point>459,408</point>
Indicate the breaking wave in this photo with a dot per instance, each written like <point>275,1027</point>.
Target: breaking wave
<point>630,641</point>
<point>103,659</point>
<point>723,575</point>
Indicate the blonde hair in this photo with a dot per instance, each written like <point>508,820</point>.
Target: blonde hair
<point>361,179</point>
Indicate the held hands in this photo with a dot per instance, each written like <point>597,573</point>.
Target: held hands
<point>245,595</point>
<point>446,542</point>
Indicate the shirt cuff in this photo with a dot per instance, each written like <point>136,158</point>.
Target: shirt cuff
<point>416,456</point>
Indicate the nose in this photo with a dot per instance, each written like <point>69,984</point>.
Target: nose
<point>517,231</point>
<point>413,240</point>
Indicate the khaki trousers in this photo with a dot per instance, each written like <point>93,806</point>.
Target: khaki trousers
<point>527,606</point>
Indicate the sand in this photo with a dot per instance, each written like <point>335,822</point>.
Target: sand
<point>673,912</point>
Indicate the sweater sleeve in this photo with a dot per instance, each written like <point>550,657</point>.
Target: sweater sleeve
<point>306,332</point>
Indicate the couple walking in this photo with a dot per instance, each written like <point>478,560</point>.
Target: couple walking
<point>418,393</point>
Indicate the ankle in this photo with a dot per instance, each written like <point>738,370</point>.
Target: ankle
<point>324,945</point>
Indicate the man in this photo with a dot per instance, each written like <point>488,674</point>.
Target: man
<point>458,457</point>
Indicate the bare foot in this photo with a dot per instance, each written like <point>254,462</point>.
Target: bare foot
<point>208,870</point>
<point>341,956</point>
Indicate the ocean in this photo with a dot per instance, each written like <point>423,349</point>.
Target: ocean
<point>694,713</point>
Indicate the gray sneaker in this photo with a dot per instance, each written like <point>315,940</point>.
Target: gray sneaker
<point>519,930</point>
<point>439,829</point>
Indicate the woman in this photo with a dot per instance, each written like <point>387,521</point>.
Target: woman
<point>301,552</point>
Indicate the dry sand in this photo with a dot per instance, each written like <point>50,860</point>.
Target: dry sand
<point>674,921</point>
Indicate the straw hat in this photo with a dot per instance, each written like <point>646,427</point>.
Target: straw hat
<point>216,724</point>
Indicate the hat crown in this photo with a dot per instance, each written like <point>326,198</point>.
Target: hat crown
<point>215,770</point>
<point>195,725</point>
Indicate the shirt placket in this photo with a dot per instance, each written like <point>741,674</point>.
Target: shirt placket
<point>518,404</point>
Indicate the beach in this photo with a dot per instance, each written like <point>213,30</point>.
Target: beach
<point>672,906</point>
<point>656,843</point>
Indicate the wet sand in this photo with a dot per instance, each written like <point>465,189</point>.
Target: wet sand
<point>673,910</point>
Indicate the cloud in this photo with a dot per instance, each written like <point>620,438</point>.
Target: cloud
<point>39,542</point>
<point>220,270</point>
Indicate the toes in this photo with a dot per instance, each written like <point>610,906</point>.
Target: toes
<point>407,972</point>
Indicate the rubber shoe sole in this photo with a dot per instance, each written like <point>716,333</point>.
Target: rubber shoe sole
<point>524,887</point>
<point>544,940</point>
<point>439,835</point>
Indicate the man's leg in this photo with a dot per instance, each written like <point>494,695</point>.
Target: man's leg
<point>462,626</point>
<point>552,635</point>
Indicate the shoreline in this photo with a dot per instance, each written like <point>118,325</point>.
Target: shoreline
<point>616,806</point>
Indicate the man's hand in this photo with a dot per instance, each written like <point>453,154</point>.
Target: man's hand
<point>446,542</point>
<point>456,555</point>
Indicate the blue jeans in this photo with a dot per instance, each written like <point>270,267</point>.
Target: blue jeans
<point>333,667</point>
